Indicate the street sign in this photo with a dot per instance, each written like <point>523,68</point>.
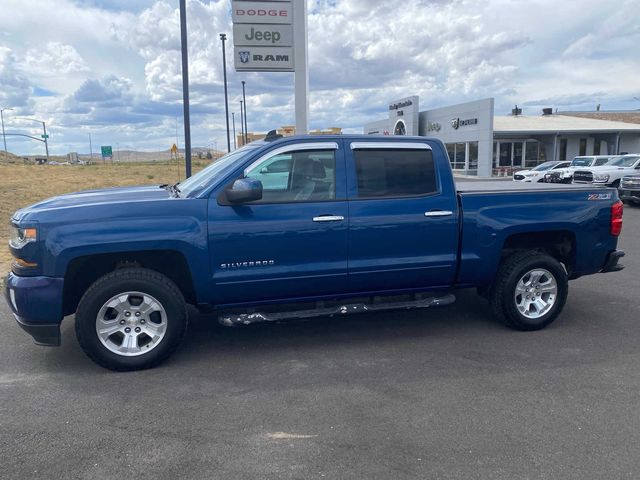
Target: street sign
<point>45,136</point>
<point>263,35</point>
<point>262,12</point>
<point>107,151</point>
<point>264,59</point>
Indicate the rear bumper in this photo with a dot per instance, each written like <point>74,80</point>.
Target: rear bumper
<point>36,304</point>
<point>611,264</point>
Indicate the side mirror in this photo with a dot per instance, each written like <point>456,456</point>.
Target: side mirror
<point>245,190</point>
<point>264,170</point>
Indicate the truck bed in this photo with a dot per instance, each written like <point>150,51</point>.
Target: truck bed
<point>495,211</point>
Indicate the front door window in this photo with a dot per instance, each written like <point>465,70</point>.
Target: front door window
<point>308,175</point>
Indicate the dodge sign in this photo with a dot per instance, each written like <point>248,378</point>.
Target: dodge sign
<point>262,12</point>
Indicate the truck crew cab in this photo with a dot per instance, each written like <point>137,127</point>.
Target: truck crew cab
<point>331,224</point>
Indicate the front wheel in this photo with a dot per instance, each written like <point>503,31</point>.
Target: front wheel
<point>131,319</point>
<point>530,290</point>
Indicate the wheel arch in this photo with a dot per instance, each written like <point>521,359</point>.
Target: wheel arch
<point>559,244</point>
<point>83,271</point>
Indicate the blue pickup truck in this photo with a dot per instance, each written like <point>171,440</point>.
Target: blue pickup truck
<point>300,227</point>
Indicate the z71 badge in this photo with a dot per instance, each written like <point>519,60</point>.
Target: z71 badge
<point>599,196</point>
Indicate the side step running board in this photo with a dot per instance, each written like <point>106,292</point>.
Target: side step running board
<point>237,319</point>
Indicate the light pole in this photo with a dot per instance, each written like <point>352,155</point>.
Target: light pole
<point>223,37</point>
<point>44,135</point>
<point>233,117</point>
<point>244,140</point>
<point>90,147</point>
<point>185,87</point>
<point>246,129</point>
<point>4,138</point>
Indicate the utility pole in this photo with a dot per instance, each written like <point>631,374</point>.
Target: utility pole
<point>223,37</point>
<point>246,129</point>
<point>185,87</point>
<point>233,117</point>
<point>90,147</point>
<point>244,140</point>
<point>4,138</point>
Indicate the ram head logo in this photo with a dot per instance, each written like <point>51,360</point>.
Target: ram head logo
<point>455,123</point>
<point>244,57</point>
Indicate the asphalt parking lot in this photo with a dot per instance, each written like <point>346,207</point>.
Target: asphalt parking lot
<point>441,393</point>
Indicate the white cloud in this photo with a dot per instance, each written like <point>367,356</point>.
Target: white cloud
<point>15,88</point>
<point>54,59</point>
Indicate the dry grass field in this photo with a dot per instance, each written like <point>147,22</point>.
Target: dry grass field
<point>21,185</point>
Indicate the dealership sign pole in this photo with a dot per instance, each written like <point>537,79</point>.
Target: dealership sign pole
<point>271,36</point>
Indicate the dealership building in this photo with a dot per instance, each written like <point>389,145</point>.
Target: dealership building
<point>484,144</point>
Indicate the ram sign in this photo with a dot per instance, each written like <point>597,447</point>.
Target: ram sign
<point>275,59</point>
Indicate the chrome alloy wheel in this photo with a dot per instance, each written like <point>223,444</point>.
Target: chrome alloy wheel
<point>536,293</point>
<point>131,323</point>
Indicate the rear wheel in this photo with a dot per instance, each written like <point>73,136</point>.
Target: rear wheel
<point>131,319</point>
<point>530,290</point>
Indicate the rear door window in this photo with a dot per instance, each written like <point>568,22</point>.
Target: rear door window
<point>394,173</point>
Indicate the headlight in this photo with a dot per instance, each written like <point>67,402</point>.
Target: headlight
<point>601,178</point>
<point>21,236</point>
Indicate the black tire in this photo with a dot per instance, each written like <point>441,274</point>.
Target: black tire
<point>124,280</point>
<point>615,184</point>
<point>503,291</point>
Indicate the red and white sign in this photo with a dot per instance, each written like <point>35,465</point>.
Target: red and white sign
<point>262,12</point>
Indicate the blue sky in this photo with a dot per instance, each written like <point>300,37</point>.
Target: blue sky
<point>112,68</point>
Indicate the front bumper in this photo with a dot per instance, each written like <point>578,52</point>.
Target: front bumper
<point>612,265</point>
<point>628,194</point>
<point>36,304</point>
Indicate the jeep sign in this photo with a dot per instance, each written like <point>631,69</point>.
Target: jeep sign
<point>263,35</point>
<point>264,59</point>
<point>261,12</point>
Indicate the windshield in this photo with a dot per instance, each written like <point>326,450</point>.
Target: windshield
<point>626,161</point>
<point>544,166</point>
<point>203,178</point>
<point>582,161</point>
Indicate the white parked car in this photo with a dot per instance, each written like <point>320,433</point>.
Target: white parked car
<point>611,173</point>
<point>565,175</point>
<point>536,174</point>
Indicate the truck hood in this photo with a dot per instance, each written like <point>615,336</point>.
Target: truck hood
<point>605,169</point>
<point>96,197</point>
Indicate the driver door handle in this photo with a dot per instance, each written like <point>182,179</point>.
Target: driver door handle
<point>328,218</point>
<point>438,213</point>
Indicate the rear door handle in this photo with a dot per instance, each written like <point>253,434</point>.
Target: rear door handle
<point>438,213</point>
<point>328,218</point>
